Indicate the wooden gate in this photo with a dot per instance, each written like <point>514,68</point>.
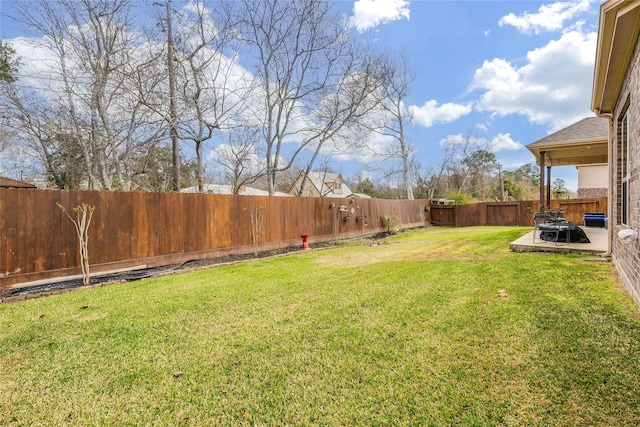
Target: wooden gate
<point>443,215</point>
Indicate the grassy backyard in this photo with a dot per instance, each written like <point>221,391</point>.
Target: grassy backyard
<point>406,331</point>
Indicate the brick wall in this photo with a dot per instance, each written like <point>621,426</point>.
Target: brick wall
<point>626,257</point>
<point>592,193</point>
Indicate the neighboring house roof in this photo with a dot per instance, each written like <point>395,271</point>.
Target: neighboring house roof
<point>228,189</point>
<point>617,36</point>
<point>322,180</point>
<point>12,183</point>
<point>582,143</point>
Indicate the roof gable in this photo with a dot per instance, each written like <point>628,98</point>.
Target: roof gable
<point>322,182</point>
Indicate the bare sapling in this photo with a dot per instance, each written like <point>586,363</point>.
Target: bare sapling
<point>256,213</point>
<point>82,220</point>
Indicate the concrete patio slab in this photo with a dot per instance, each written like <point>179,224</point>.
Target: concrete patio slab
<point>597,236</point>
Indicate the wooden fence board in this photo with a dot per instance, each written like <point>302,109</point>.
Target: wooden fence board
<point>8,225</point>
<point>575,209</point>
<point>64,230</point>
<point>140,236</point>
<point>210,203</point>
<point>39,242</point>
<point>192,225</point>
<point>26,232</point>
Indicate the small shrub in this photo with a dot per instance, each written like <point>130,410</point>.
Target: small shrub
<point>460,198</point>
<point>391,223</point>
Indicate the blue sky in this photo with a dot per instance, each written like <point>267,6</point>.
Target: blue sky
<point>509,72</point>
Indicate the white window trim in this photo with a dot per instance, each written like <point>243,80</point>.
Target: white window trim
<point>624,173</point>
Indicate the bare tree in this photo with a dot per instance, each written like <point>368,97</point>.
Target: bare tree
<point>212,87</point>
<point>39,131</point>
<point>89,83</point>
<point>237,161</point>
<point>468,167</point>
<point>311,80</point>
<point>343,114</point>
<point>17,160</point>
<point>435,181</point>
<point>395,117</point>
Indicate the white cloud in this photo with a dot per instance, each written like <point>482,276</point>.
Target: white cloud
<point>550,17</point>
<point>503,141</point>
<point>431,113</point>
<point>38,64</point>
<point>189,14</point>
<point>368,14</point>
<point>553,88</point>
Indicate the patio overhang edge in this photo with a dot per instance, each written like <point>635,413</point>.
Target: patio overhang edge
<point>567,153</point>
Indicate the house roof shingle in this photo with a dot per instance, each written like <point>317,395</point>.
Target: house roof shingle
<point>586,129</point>
<point>582,143</point>
<point>12,183</point>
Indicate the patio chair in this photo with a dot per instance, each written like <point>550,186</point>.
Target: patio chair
<point>548,228</point>
<point>558,214</point>
<point>548,217</point>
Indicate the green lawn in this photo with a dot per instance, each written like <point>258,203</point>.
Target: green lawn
<point>406,331</point>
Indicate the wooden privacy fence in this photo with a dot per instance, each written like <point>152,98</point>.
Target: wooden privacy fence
<point>511,213</point>
<point>130,229</point>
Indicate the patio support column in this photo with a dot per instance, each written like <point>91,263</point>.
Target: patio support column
<point>549,186</point>
<point>542,181</point>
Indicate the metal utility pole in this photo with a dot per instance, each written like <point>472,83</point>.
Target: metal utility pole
<point>502,198</point>
<point>172,105</point>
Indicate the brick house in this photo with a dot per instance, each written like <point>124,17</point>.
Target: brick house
<point>616,96</point>
<point>593,181</point>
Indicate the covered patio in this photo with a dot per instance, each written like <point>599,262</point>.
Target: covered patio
<point>583,143</point>
<point>598,246</point>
